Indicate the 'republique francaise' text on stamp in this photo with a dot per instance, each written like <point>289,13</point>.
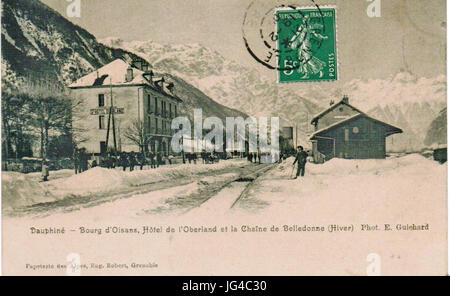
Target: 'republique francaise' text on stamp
<point>306,44</point>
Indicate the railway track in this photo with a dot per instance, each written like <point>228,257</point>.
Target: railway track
<point>74,203</point>
<point>248,177</point>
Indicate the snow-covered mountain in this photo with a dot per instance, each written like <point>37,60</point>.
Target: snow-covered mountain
<point>404,100</point>
<point>224,80</point>
<point>38,43</point>
<point>437,132</point>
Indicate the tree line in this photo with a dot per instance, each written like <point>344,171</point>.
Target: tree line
<point>38,116</point>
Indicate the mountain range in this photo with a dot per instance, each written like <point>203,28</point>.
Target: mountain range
<point>40,44</point>
<point>404,100</point>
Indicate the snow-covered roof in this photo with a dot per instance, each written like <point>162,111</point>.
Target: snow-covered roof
<point>394,129</point>
<point>113,73</point>
<point>344,101</point>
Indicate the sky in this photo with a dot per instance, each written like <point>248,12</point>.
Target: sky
<point>409,34</point>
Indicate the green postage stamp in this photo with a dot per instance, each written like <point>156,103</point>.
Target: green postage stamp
<point>307,44</point>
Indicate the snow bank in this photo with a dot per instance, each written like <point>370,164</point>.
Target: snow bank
<point>24,190</point>
<point>20,190</point>
<point>356,190</point>
<point>340,167</point>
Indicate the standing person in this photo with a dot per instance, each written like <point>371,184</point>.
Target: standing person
<point>158,159</point>
<point>84,159</point>
<point>151,155</point>
<point>141,160</point>
<point>300,157</point>
<point>45,172</point>
<point>123,161</point>
<point>76,161</point>
<point>131,161</point>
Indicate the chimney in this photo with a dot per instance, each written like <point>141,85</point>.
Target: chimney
<point>345,99</point>
<point>129,77</point>
<point>331,102</point>
<point>149,75</point>
<point>170,86</point>
<point>137,64</point>
<point>159,82</point>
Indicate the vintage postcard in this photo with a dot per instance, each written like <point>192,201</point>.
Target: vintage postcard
<point>224,137</point>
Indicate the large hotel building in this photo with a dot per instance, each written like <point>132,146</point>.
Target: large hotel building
<point>137,97</point>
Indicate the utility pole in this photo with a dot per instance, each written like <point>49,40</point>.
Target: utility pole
<point>111,118</point>
<point>112,114</point>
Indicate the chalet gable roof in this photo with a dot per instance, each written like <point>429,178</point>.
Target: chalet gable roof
<point>392,129</point>
<point>344,101</point>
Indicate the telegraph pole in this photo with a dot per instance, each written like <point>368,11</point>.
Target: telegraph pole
<point>112,115</point>
<point>111,118</point>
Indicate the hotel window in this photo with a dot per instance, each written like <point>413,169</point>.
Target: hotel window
<point>149,104</point>
<point>156,106</point>
<point>101,100</point>
<point>101,122</point>
<point>149,124</point>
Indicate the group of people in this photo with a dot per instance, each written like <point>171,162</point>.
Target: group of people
<point>300,155</point>
<point>80,160</point>
<point>207,157</point>
<point>132,159</point>
<point>125,160</point>
<point>259,158</point>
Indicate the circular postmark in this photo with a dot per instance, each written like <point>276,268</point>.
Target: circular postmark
<point>285,37</point>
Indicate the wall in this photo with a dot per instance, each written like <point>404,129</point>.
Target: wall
<point>366,139</point>
<point>134,101</point>
<point>340,113</point>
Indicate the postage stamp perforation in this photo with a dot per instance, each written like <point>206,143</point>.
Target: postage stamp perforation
<point>307,42</point>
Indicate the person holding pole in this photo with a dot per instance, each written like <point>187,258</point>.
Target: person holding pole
<point>300,158</point>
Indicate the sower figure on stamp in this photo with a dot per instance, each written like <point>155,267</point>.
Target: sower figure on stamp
<point>309,64</point>
<point>300,158</point>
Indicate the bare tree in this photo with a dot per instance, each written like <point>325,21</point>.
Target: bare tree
<point>51,109</point>
<point>137,134</point>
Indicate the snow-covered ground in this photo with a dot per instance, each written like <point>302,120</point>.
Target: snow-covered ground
<point>20,190</point>
<point>355,189</point>
<point>405,190</point>
<point>349,189</point>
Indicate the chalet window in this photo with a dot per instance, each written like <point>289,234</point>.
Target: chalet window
<point>156,106</point>
<point>149,124</point>
<point>170,110</point>
<point>341,109</point>
<point>156,125</point>
<point>355,130</point>
<point>176,112</point>
<point>101,100</point>
<point>101,122</point>
<point>347,135</point>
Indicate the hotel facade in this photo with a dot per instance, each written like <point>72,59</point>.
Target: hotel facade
<point>136,97</point>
